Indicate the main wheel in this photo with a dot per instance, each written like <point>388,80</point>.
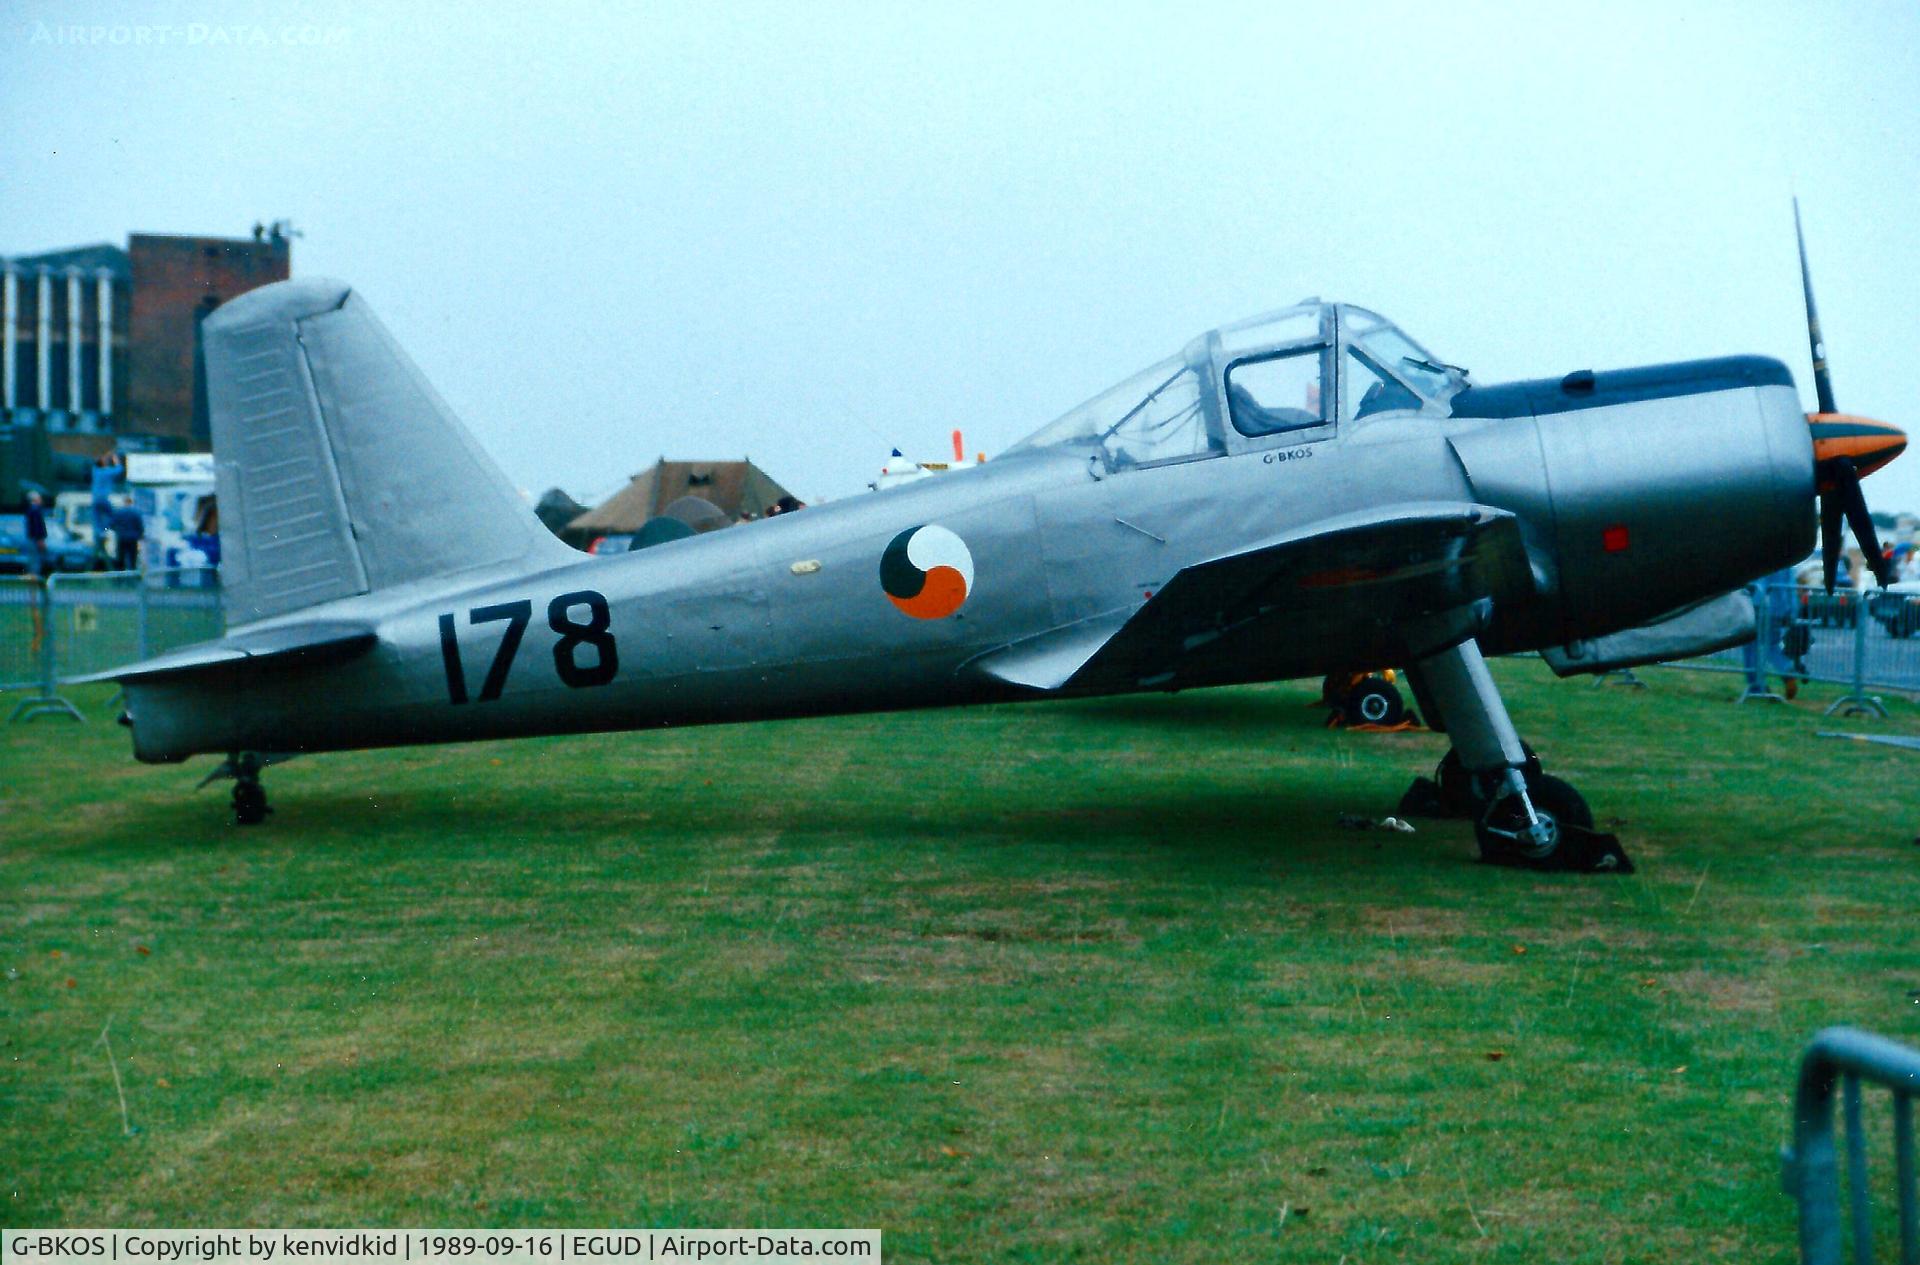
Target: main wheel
<point>250,803</point>
<point>1555,803</point>
<point>1375,701</point>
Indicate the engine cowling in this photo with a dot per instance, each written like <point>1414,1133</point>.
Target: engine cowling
<point>1643,490</point>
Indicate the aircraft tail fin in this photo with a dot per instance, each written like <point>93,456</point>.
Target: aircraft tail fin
<point>340,470</point>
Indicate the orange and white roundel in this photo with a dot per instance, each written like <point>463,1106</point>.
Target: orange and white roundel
<point>927,572</point>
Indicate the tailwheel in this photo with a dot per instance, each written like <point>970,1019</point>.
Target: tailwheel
<point>250,806</point>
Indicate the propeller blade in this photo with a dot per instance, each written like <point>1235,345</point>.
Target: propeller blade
<point>1830,541</point>
<point>1822,380</point>
<point>1854,502</point>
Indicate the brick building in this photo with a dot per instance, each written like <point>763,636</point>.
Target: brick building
<point>100,346</point>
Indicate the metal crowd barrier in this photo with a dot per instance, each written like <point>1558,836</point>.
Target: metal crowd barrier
<point>1810,1170</point>
<point>75,624</point>
<point>1863,640</point>
<point>26,649</point>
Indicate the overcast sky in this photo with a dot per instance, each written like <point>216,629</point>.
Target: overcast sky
<point>809,232</point>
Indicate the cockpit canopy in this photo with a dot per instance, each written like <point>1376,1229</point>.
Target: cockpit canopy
<point>1286,377</point>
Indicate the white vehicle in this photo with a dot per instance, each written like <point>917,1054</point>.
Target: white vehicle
<point>174,493</point>
<point>902,469</point>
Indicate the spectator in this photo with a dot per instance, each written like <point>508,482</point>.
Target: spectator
<point>109,471</point>
<point>206,530</point>
<point>128,531</point>
<point>36,535</point>
<point>1774,600</point>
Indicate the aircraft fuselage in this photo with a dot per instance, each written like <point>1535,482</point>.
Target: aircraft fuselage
<point>1629,510</point>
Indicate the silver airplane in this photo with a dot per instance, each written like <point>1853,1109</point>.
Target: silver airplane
<point>1306,492</point>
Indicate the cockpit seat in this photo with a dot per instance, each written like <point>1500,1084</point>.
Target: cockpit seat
<point>1254,418</point>
<point>1385,397</point>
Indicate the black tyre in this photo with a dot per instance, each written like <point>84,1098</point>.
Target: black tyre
<point>1375,702</point>
<point>1555,802</point>
<point>250,804</point>
<point>1557,796</point>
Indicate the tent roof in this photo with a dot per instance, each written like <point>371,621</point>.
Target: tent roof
<point>737,487</point>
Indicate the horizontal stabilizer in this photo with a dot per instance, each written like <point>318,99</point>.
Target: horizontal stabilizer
<point>328,641</point>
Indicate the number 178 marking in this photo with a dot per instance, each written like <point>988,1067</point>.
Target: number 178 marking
<point>593,631</point>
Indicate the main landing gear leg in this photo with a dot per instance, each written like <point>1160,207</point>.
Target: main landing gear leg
<point>250,806</point>
<point>1521,815</point>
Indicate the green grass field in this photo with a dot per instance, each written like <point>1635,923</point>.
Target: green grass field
<point>1076,982</point>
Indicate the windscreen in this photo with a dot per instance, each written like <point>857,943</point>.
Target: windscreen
<point>1388,347</point>
<point>1154,416</point>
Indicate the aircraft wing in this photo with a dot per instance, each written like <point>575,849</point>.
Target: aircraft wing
<point>326,640</point>
<point>1369,578</point>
